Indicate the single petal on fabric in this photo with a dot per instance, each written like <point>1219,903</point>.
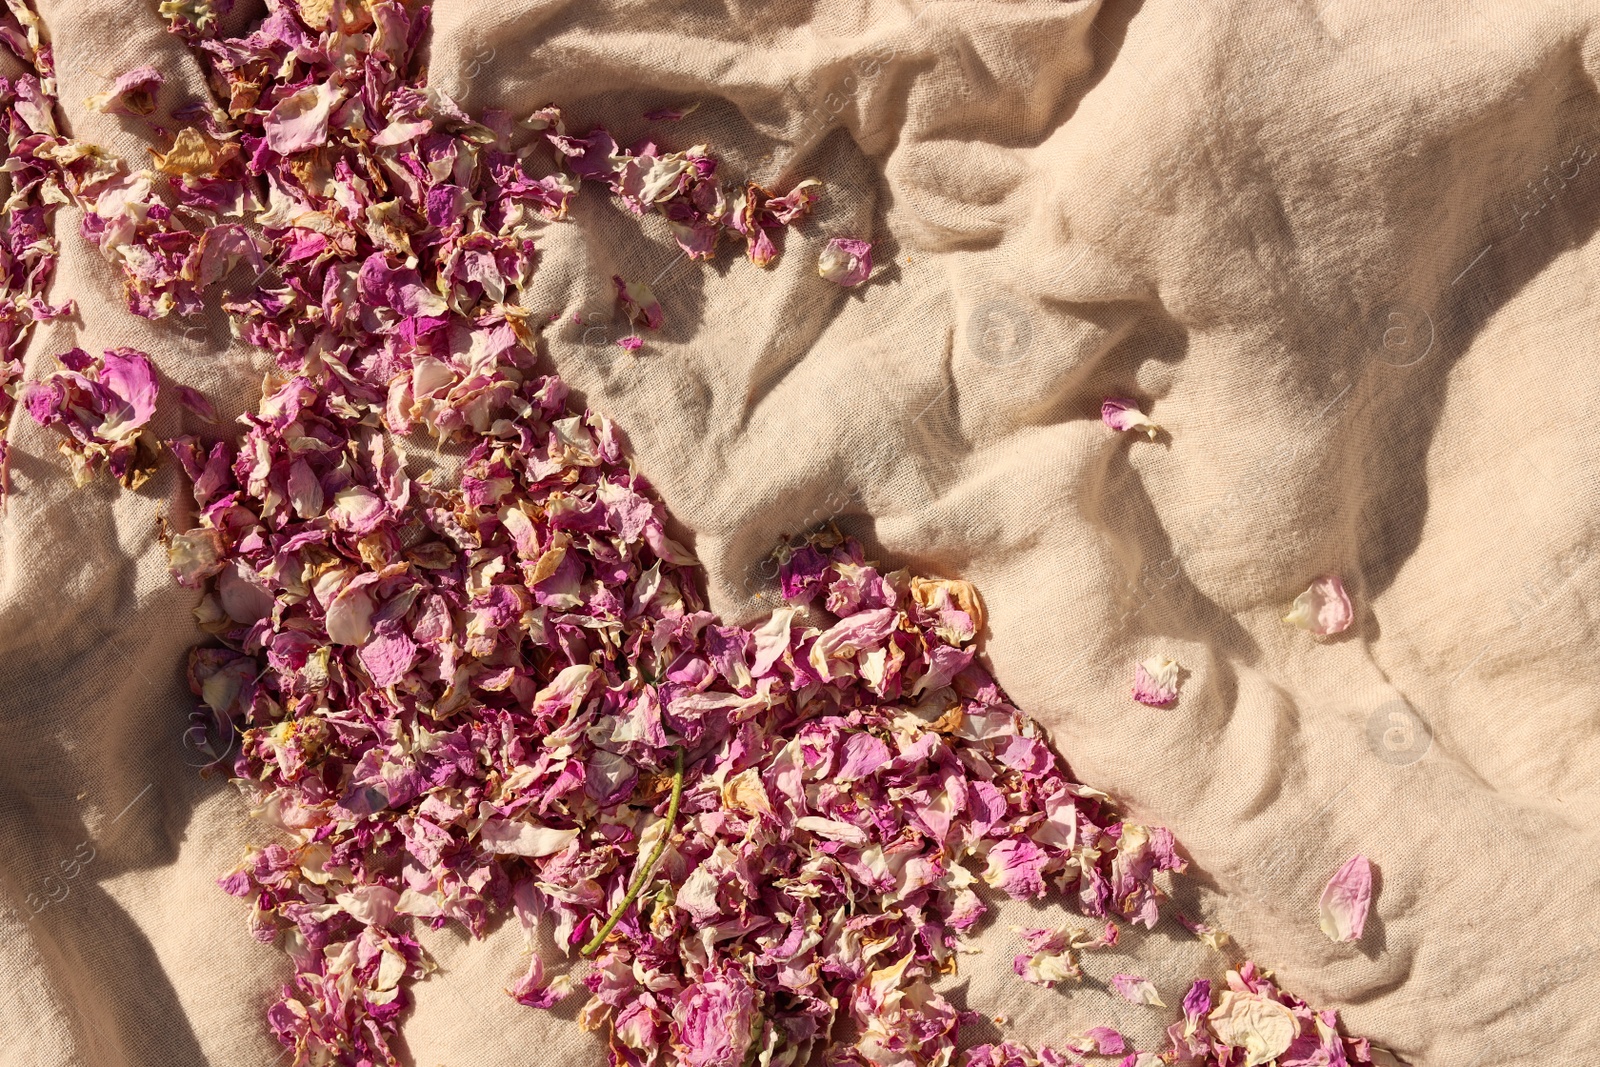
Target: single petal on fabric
<point>1102,1039</point>
<point>846,261</point>
<point>131,378</point>
<point>639,302</point>
<point>1345,900</point>
<point>1322,609</point>
<point>1155,681</point>
<point>131,94</point>
<point>1135,990</point>
<point>1120,414</point>
<point>191,154</point>
<point>196,402</point>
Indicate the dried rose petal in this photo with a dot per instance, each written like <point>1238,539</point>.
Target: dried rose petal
<point>1122,414</point>
<point>1259,1025</point>
<point>1155,681</point>
<point>1100,1039</point>
<point>846,261</point>
<point>1135,990</point>
<point>1345,900</point>
<point>196,402</point>
<point>639,302</point>
<point>460,694</point>
<point>300,121</point>
<point>1322,609</point>
<point>670,114</point>
<point>131,94</point>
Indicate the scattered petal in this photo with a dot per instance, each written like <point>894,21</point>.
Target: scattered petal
<point>131,94</point>
<point>1322,609</point>
<point>1122,414</point>
<point>1345,900</point>
<point>846,261</point>
<point>1155,681</point>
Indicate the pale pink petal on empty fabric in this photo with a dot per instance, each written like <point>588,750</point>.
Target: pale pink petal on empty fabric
<point>1345,900</point>
<point>1155,681</point>
<point>1322,609</point>
<point>132,94</point>
<point>1135,990</point>
<point>1102,1039</point>
<point>1120,414</point>
<point>631,343</point>
<point>639,301</point>
<point>300,121</point>
<point>846,261</point>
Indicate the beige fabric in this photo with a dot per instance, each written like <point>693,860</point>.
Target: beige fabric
<point>1343,250</point>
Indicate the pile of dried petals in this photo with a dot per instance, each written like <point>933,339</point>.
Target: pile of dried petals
<point>38,162</point>
<point>501,691</point>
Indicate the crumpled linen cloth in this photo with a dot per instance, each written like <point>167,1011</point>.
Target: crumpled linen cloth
<point>1342,250</point>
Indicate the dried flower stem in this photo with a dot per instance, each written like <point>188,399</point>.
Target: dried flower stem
<point>650,865</point>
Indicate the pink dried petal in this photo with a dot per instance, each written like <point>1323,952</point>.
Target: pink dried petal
<point>300,121</point>
<point>846,261</point>
<point>1345,900</point>
<point>639,302</point>
<point>131,379</point>
<point>1122,414</point>
<point>1135,990</point>
<point>715,1021</point>
<point>388,657</point>
<point>1322,609</point>
<point>1155,681</point>
<point>1101,1039</point>
<point>631,343</point>
<point>131,94</point>
<point>197,403</point>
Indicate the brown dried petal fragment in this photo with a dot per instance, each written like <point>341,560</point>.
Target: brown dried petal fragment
<point>551,559</point>
<point>191,155</point>
<point>964,594</point>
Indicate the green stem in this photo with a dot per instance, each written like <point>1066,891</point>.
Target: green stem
<point>643,876</point>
